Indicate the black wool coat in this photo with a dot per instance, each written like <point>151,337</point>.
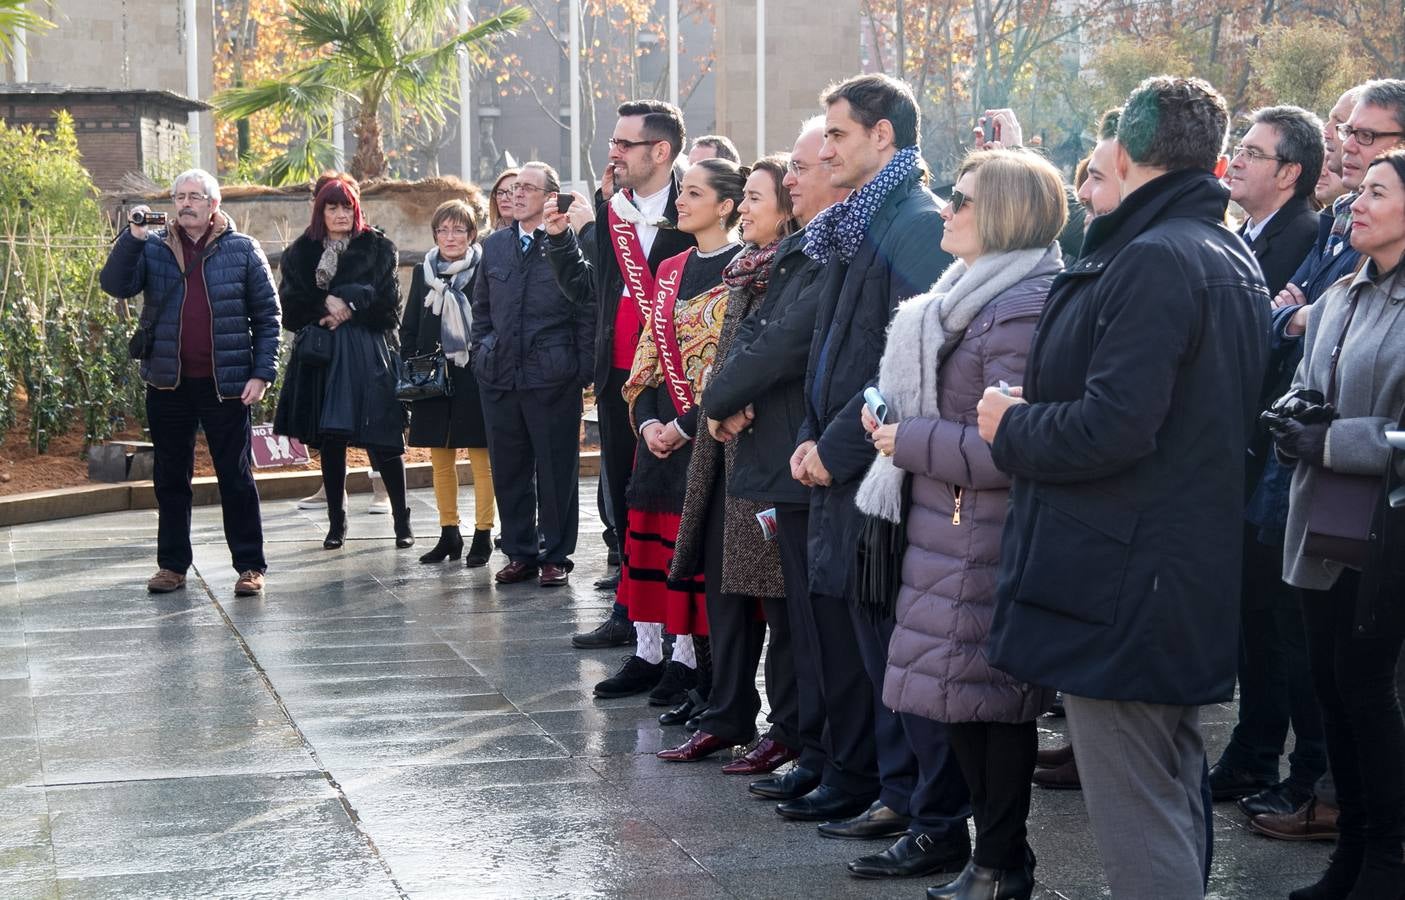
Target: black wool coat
<point>1285,242</point>
<point>766,368</point>
<point>456,420</point>
<point>1120,560</point>
<point>899,257</point>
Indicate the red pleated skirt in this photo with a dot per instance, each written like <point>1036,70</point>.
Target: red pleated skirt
<point>644,588</point>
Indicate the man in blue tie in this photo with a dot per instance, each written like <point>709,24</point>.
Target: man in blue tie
<point>532,355</point>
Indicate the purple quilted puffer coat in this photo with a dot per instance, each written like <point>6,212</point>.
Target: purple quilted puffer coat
<point>937,664</point>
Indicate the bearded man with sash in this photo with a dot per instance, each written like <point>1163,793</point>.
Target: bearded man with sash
<point>615,275</point>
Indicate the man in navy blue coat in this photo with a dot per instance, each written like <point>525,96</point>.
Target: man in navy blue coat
<point>210,324</point>
<point>1119,576</point>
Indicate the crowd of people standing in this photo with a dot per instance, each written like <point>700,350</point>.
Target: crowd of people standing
<point>936,458</point>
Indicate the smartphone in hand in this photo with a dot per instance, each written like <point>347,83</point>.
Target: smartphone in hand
<point>563,203</point>
<point>877,406</point>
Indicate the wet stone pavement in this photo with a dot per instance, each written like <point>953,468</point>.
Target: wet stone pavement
<point>377,728</point>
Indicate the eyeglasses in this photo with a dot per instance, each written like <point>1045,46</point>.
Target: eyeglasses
<point>524,188</point>
<point>796,169</point>
<point>625,145</point>
<point>445,231</point>
<point>1364,136</point>
<point>959,200</point>
<point>190,198</point>
<point>502,193</point>
<point>1256,154</point>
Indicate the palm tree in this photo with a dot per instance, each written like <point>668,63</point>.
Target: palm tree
<point>381,55</point>
<point>13,17</point>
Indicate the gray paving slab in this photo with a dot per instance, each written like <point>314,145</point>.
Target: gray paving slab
<point>373,727</point>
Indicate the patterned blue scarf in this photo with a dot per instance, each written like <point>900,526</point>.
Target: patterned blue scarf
<point>839,229</point>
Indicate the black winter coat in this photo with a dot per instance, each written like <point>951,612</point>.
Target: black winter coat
<point>592,277</point>
<point>456,420</point>
<point>1120,562</point>
<point>527,334</point>
<point>1285,241</point>
<point>366,279</point>
<point>765,368</point>
<point>899,257</point>
<point>243,304</point>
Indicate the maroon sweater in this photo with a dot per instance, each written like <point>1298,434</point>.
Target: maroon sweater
<point>197,326</point>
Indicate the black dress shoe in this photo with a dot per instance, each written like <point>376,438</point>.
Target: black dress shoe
<point>1231,784</point>
<point>1279,800</point>
<point>635,677</point>
<point>915,854</point>
<point>798,782</point>
<point>979,883</point>
<point>878,821</point>
<point>678,715</point>
<point>609,583</point>
<point>610,633</point>
<point>673,688</point>
<point>823,804</point>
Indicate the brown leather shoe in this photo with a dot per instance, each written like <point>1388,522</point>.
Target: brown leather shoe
<point>767,756</point>
<point>1315,821</point>
<point>249,584</point>
<point>699,745</point>
<point>1059,778</point>
<point>1052,759</point>
<point>165,581</point>
<point>554,575</point>
<point>516,572</point>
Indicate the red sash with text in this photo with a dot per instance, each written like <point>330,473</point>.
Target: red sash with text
<point>665,298</point>
<point>633,262</point>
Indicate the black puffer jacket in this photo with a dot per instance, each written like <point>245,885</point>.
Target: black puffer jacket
<point>243,308</point>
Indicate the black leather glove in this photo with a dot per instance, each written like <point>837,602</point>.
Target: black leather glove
<point>1306,442</point>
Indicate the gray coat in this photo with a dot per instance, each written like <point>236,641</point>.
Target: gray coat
<point>1370,396</point>
<point>937,665</point>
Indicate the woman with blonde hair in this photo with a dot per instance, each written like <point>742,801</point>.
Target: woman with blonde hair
<point>500,200</point>
<point>933,471</point>
<point>437,319</point>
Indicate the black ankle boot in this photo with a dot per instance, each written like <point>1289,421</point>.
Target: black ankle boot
<point>450,545</point>
<point>1341,875</point>
<point>1382,872</point>
<point>336,534</point>
<point>479,550</point>
<point>980,883</point>
<point>404,537</point>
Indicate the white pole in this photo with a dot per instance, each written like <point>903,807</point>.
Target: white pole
<point>673,52</point>
<point>575,14</point>
<point>192,77</point>
<point>339,134</point>
<point>21,57</point>
<point>465,101</point>
<point>760,78</point>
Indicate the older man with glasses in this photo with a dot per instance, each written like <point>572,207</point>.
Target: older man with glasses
<point>208,345</point>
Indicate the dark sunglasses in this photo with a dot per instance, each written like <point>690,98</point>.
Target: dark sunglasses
<point>959,200</point>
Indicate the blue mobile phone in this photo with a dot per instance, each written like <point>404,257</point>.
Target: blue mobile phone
<point>877,406</point>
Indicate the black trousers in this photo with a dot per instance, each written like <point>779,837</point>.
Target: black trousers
<point>916,768</point>
<point>173,417</point>
<point>1354,677</point>
<point>534,445</point>
<point>792,536</point>
<point>737,632</point>
<point>618,443</point>
<point>1275,684</point>
<point>997,761</point>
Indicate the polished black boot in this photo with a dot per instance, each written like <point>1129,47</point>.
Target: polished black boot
<point>404,537</point>
<point>479,550</point>
<point>980,883</point>
<point>336,534</point>
<point>450,546</point>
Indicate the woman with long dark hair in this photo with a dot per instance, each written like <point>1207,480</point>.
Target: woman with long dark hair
<point>340,295</point>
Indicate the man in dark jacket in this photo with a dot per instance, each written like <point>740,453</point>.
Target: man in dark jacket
<point>759,399</point>
<point>531,356</point>
<point>209,350</point>
<point>1272,174</point>
<point>877,248</point>
<point>1119,576</point>
<point>647,139</point>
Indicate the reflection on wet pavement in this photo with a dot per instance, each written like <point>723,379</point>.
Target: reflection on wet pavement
<point>373,727</point>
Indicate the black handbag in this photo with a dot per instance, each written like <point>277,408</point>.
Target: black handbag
<point>424,378</point>
<point>313,346</point>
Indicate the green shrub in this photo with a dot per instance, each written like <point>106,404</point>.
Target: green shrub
<point>62,338</point>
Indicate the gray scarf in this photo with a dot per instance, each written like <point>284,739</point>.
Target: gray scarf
<point>922,334</point>
<point>327,264</point>
<point>446,297</point>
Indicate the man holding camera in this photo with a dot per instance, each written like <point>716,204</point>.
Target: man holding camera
<point>208,345</point>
